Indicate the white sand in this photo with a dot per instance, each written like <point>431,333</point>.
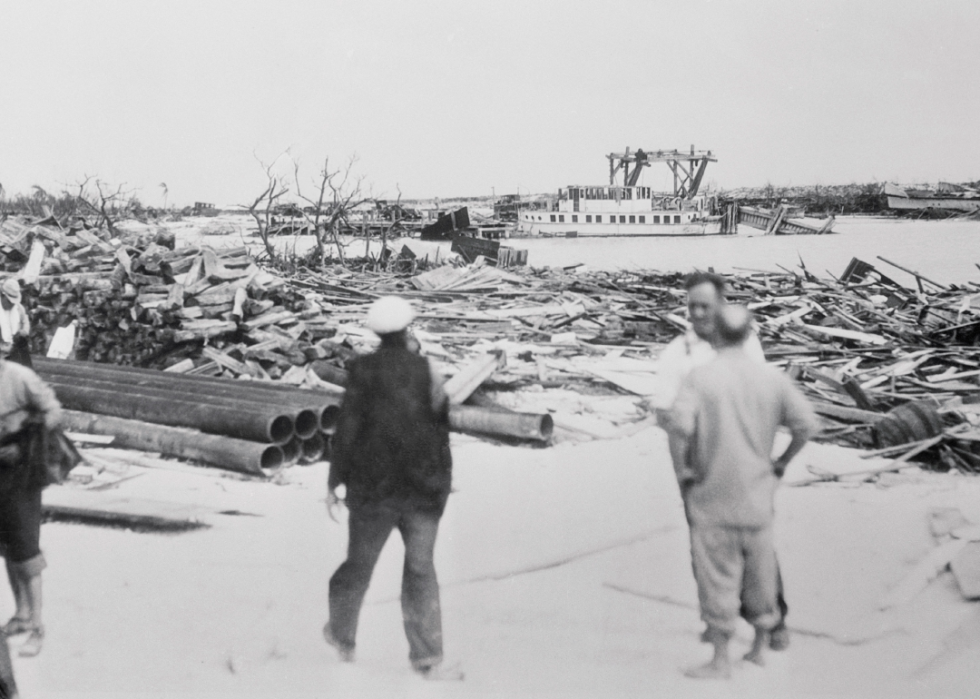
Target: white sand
<point>544,555</point>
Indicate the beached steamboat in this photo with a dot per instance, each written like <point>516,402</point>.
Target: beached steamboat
<point>628,209</point>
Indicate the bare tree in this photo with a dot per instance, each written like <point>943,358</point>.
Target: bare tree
<point>261,209</point>
<point>163,186</point>
<point>106,204</point>
<point>396,220</point>
<point>337,195</point>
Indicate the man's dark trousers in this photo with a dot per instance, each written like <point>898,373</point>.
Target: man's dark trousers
<point>369,526</point>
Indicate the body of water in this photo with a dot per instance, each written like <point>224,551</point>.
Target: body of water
<point>946,251</point>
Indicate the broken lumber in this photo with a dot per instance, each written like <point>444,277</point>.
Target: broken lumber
<point>469,378</point>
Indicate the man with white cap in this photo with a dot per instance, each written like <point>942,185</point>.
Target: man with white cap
<point>390,451</point>
<point>15,327</point>
<point>724,421</point>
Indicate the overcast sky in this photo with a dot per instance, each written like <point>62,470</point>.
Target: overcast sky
<point>452,98</point>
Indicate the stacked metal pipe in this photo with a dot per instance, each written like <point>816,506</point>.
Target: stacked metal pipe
<point>296,421</point>
<point>248,426</point>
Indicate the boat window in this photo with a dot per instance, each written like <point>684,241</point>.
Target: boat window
<point>656,219</point>
<point>622,219</point>
<point>598,218</point>
<point>677,219</point>
<point>574,218</point>
<point>632,219</point>
<point>552,218</point>
<point>561,218</point>
<point>643,219</point>
<point>588,218</point>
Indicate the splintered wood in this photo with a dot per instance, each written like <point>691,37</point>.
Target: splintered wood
<point>862,346</point>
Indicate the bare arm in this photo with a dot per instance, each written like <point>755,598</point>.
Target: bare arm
<point>679,446</point>
<point>344,439</point>
<point>800,438</point>
<point>681,426</point>
<point>799,417</point>
<point>42,400</point>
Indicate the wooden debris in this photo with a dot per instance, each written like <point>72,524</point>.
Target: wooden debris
<point>859,346</point>
<point>62,502</point>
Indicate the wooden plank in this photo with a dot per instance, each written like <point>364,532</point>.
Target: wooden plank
<point>469,378</point>
<point>842,333</point>
<point>32,270</point>
<point>851,414</point>
<point>113,508</point>
<point>224,360</point>
<point>641,385</point>
<point>268,319</point>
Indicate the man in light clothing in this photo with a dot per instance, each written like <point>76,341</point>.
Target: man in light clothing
<point>15,327</point>
<point>705,295</point>
<point>724,423</point>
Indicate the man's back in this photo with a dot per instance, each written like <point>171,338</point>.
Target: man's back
<point>731,409</point>
<point>685,352</point>
<point>390,440</point>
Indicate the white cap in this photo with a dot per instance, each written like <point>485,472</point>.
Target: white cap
<point>389,314</point>
<point>11,289</point>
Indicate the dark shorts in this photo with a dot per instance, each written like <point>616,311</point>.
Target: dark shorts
<point>20,525</point>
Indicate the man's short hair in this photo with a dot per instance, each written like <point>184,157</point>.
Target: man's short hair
<point>732,324</point>
<point>698,278</point>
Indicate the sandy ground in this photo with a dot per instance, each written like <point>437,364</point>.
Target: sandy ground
<point>565,572</point>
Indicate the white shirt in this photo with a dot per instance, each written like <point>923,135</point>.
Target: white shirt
<point>685,352</point>
<point>12,321</point>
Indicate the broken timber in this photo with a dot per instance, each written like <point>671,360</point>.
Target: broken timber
<point>777,222</point>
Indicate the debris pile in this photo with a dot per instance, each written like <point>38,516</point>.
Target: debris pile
<point>887,365</point>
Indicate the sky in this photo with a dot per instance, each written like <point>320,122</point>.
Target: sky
<point>455,98</point>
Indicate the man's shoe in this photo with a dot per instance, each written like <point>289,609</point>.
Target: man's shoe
<point>345,653</point>
<point>32,646</point>
<point>779,638</point>
<point>437,673</point>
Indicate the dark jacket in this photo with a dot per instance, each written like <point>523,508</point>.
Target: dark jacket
<point>391,442</point>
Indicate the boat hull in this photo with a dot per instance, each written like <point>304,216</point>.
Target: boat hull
<point>919,203</point>
<point>547,229</point>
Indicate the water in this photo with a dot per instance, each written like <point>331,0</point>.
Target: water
<point>945,251</point>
